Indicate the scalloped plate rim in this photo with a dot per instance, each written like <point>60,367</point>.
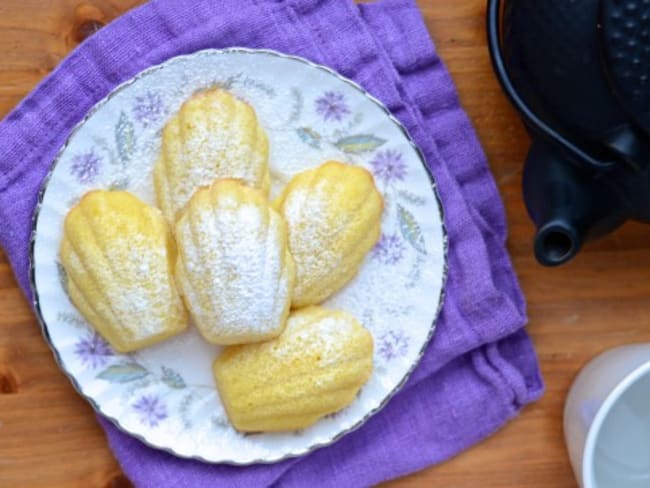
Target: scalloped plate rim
<point>118,88</point>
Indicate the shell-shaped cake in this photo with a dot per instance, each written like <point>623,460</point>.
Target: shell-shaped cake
<point>316,367</point>
<point>333,213</point>
<point>119,255</point>
<point>234,268</point>
<point>213,135</point>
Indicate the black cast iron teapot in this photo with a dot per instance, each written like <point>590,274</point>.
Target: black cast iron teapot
<point>578,72</point>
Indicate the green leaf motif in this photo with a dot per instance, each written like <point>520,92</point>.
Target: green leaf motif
<point>123,373</point>
<point>309,136</point>
<point>410,229</point>
<point>412,198</point>
<point>359,143</point>
<point>298,103</point>
<point>125,138</point>
<point>71,319</point>
<point>184,410</point>
<point>63,276</point>
<point>415,272</point>
<point>224,84</point>
<point>172,379</point>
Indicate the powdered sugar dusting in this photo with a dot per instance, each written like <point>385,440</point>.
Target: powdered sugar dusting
<point>214,135</point>
<point>130,280</point>
<point>322,336</point>
<point>234,278</point>
<point>399,298</point>
<point>146,290</point>
<point>309,240</point>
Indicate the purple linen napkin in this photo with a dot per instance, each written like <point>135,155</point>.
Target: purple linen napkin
<point>480,368</point>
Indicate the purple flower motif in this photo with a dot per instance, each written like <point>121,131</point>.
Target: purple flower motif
<point>148,108</point>
<point>85,167</point>
<point>332,106</point>
<point>93,351</point>
<point>392,344</point>
<point>150,409</point>
<point>389,249</point>
<point>389,166</point>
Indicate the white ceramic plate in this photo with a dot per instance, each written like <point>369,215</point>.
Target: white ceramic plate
<point>165,395</point>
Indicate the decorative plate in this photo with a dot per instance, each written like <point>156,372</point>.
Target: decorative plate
<point>165,395</point>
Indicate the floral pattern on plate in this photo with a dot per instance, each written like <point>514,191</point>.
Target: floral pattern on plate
<point>165,394</point>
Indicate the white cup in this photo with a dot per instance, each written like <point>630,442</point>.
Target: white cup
<point>607,420</point>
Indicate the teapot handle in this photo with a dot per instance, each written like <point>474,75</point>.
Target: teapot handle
<point>537,125</point>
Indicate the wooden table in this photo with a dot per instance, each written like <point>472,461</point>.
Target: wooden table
<point>49,435</point>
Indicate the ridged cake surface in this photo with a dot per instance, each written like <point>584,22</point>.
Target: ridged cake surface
<point>333,213</point>
<point>213,135</point>
<point>234,270</point>
<point>316,367</point>
<point>119,255</point>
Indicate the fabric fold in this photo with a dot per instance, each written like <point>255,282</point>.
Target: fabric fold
<point>480,368</point>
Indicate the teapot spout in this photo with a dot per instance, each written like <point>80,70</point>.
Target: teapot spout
<point>557,242</point>
<point>568,205</point>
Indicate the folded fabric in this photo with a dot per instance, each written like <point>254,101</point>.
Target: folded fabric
<point>480,368</point>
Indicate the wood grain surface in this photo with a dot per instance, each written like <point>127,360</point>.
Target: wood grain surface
<point>49,436</point>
